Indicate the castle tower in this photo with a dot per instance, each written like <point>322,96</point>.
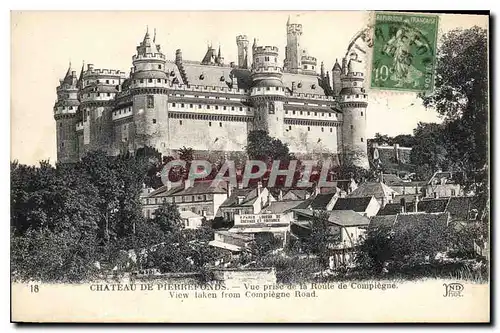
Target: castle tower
<point>65,116</point>
<point>267,93</point>
<point>293,54</point>
<point>336,82</point>
<point>308,63</point>
<point>98,90</point>
<point>353,101</point>
<point>149,96</point>
<point>242,43</point>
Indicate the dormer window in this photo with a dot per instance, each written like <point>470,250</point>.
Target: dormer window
<point>222,79</point>
<point>202,77</point>
<point>299,85</point>
<point>313,86</point>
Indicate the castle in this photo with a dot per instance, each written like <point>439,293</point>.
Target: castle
<point>211,106</point>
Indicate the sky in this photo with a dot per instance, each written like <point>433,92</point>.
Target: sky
<point>44,43</point>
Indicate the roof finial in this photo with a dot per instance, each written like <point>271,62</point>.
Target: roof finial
<point>154,37</point>
<point>288,21</point>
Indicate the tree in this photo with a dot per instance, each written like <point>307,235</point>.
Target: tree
<point>168,218</point>
<point>461,96</point>
<point>430,150</point>
<point>320,238</point>
<point>265,148</point>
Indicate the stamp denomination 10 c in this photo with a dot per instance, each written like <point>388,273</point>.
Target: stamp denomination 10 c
<point>404,51</point>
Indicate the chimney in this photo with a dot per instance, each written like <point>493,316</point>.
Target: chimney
<point>416,204</point>
<point>240,199</point>
<point>229,189</point>
<point>232,64</point>
<point>73,73</point>
<point>188,183</point>
<point>178,56</point>
<point>90,67</point>
<point>240,185</point>
<point>403,205</point>
<point>294,86</point>
<point>168,185</point>
<point>259,188</point>
<point>280,195</point>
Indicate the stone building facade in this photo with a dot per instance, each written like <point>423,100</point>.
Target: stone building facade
<point>211,106</point>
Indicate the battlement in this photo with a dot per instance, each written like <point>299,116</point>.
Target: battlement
<point>267,70</point>
<point>267,91</point>
<point>104,71</point>
<point>60,110</point>
<point>200,88</point>
<point>353,98</point>
<point>354,75</point>
<point>241,38</point>
<point>148,56</point>
<point>309,59</point>
<point>266,49</point>
<point>310,96</point>
<point>79,126</point>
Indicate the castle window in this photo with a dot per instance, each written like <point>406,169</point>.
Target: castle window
<point>207,96</point>
<point>232,108</point>
<point>352,126</point>
<point>150,80</point>
<point>62,144</point>
<point>208,107</point>
<point>60,124</point>
<point>107,81</point>
<point>97,81</point>
<point>154,121</point>
<point>286,112</point>
<point>158,80</point>
<point>109,94</point>
<point>199,106</point>
<point>268,88</point>
<point>315,113</point>
<point>241,109</point>
<point>202,77</point>
<point>331,130</point>
<point>180,122</point>
<point>98,94</point>
<point>357,96</point>
<point>308,113</point>
<point>256,59</point>
<point>209,123</point>
<point>361,113</point>
<point>289,128</point>
<point>277,88</point>
<point>182,105</point>
<point>217,97</point>
<point>224,107</point>
<point>173,104</point>
<point>322,129</point>
<point>191,106</point>
<point>71,108</point>
<point>313,86</point>
<point>216,107</point>
<point>266,58</point>
<point>159,66</point>
<point>196,96</point>
<point>301,113</point>
<point>220,124</point>
<point>354,83</point>
<point>361,139</point>
<point>142,80</point>
<point>150,101</point>
<point>308,129</point>
<point>299,85</point>
<point>293,112</point>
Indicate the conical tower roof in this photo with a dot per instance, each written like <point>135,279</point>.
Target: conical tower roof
<point>336,67</point>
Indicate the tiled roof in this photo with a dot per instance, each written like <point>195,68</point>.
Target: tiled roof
<point>368,189</point>
<point>278,207</point>
<point>296,194</point>
<point>355,204</point>
<point>164,191</point>
<point>439,175</point>
<point>171,68</point>
<point>382,221</point>
<point>433,205</point>
<point>390,179</point>
<point>412,219</point>
<point>461,207</point>
<point>347,218</point>
<point>320,201</point>
<point>204,187</point>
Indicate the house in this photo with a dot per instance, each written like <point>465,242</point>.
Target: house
<point>408,187</point>
<point>382,193</point>
<point>233,242</point>
<point>199,197</point>
<point>348,225</point>
<point>366,206</point>
<point>295,194</point>
<point>443,184</point>
<point>274,219</point>
<point>409,220</point>
<point>245,201</point>
<point>191,220</point>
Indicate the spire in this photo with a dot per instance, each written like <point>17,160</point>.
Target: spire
<point>349,67</point>
<point>218,54</point>
<point>80,78</point>
<point>254,43</point>
<point>322,72</point>
<point>336,67</point>
<point>154,36</point>
<point>288,21</point>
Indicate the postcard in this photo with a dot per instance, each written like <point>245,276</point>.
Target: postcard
<point>250,167</point>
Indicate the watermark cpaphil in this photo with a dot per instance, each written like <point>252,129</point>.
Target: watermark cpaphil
<point>253,170</point>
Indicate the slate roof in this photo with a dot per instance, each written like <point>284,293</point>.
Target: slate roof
<point>303,83</point>
<point>355,204</point>
<point>278,207</point>
<point>320,201</point>
<point>296,194</point>
<point>390,209</point>
<point>461,207</point>
<point>207,75</point>
<point>249,196</point>
<point>199,187</point>
<point>389,179</point>
<point>368,189</point>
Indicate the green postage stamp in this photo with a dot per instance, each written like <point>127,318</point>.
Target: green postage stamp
<point>404,51</point>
